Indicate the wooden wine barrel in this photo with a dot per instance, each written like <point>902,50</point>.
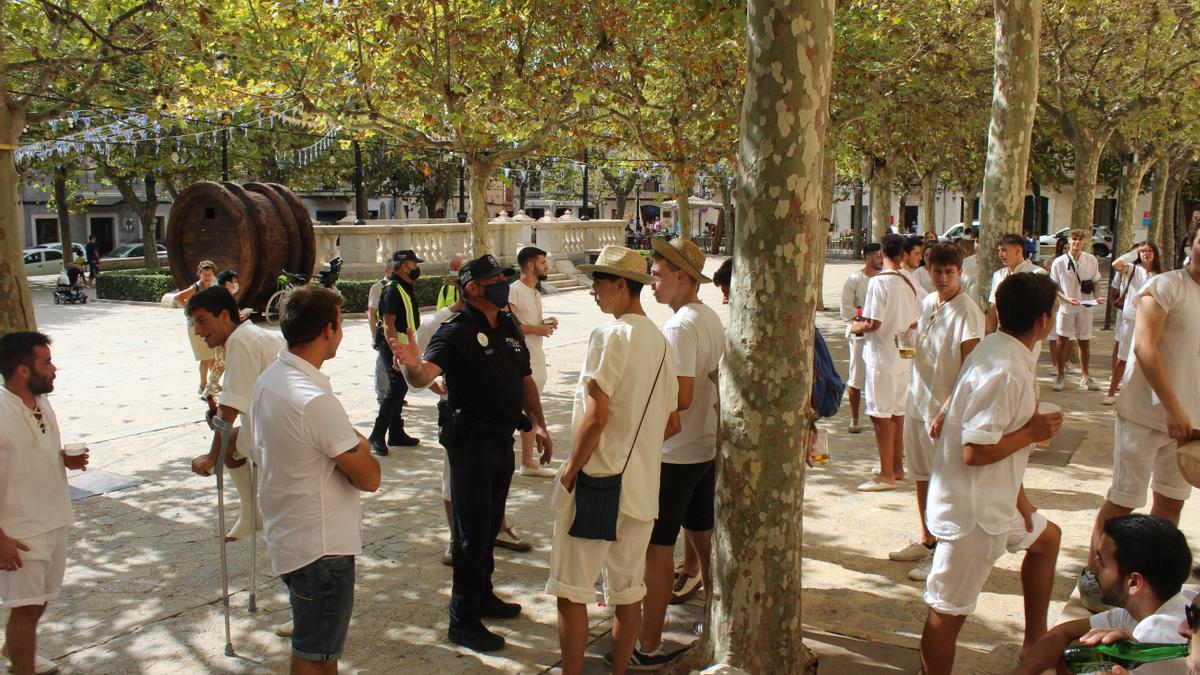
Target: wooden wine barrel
<point>256,229</point>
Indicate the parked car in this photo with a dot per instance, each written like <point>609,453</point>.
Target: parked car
<point>57,246</point>
<point>134,250</point>
<point>40,261</point>
<point>1102,239</point>
<point>959,231</point>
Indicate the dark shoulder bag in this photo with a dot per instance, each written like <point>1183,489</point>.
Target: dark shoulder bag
<point>598,499</point>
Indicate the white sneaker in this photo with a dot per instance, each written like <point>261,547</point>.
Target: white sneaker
<point>921,571</point>
<point>1088,383</point>
<point>911,553</point>
<point>1108,400</point>
<point>854,427</point>
<point>1059,382</point>
<point>284,629</point>
<point>537,472</point>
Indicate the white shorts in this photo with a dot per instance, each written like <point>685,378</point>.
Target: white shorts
<point>857,377</point>
<point>961,567</point>
<point>576,563</point>
<point>1124,338</point>
<point>40,577</point>
<point>1144,457</point>
<point>1052,336</point>
<point>1075,326</point>
<point>539,375</point>
<point>918,447</point>
<point>887,394</point>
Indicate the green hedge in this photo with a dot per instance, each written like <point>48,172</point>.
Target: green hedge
<point>354,292</point>
<point>142,285</point>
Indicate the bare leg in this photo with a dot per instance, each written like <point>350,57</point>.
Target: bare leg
<point>855,401</point>
<point>20,637</point>
<point>1107,510</point>
<point>1085,353</point>
<point>701,544</point>
<point>1118,373</point>
<point>527,449</point>
<point>449,516</point>
<point>305,667</point>
<point>938,641</point>
<point>884,444</point>
<point>1166,507</point>
<point>898,447</point>
<point>625,630</point>
<point>1053,353</point>
<point>659,584</point>
<point>1037,581</point>
<point>691,559</point>
<point>205,365</point>
<point>922,497</point>
<point>572,636</point>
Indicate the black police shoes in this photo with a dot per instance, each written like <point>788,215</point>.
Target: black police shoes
<point>378,447</point>
<point>475,637</point>
<point>403,441</point>
<point>495,608</point>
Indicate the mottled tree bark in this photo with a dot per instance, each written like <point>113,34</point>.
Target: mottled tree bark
<point>1158,199</point>
<point>1088,146</point>
<point>856,224</point>
<point>929,186</point>
<point>682,177</point>
<point>16,304</point>
<point>62,206</point>
<point>766,374</point>
<point>481,170</point>
<point>881,197</point>
<point>828,178</point>
<point>1175,182</point>
<point>1134,167</point>
<point>1010,134</point>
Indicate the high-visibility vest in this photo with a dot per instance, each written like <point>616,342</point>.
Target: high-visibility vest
<point>448,295</point>
<point>409,317</point>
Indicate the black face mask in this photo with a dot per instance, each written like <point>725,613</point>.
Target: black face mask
<point>414,274</point>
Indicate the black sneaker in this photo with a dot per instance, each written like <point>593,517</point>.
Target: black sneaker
<point>495,608</point>
<point>477,638</point>
<point>643,662</point>
<point>378,447</point>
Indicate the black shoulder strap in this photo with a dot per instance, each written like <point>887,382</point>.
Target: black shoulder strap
<point>647,408</point>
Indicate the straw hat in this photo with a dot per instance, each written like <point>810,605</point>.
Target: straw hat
<point>1188,459</point>
<point>684,254</point>
<point>622,262</point>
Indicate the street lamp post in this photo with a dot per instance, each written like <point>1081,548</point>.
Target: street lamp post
<point>360,200</point>
<point>462,200</point>
<point>584,211</point>
<point>637,203</point>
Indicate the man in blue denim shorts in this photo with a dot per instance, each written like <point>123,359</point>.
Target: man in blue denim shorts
<point>313,464</point>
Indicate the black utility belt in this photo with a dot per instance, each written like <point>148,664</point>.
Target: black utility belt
<point>460,420</point>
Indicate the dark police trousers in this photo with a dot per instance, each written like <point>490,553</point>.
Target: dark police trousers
<point>481,468</point>
<point>391,408</point>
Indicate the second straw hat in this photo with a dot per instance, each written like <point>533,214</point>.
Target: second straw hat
<point>684,254</point>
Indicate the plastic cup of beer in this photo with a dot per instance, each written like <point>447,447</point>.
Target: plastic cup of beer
<point>906,342</point>
<point>820,451</point>
<point>74,449</point>
<point>1044,408</point>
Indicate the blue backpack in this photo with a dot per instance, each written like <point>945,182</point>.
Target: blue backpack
<point>827,387</point>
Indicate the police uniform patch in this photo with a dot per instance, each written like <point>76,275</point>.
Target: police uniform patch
<point>481,339</point>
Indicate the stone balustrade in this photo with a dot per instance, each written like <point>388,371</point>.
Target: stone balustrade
<point>364,248</point>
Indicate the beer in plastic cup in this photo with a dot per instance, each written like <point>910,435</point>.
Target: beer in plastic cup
<point>820,451</point>
<point>906,342</point>
<point>1044,408</point>
<point>74,449</point>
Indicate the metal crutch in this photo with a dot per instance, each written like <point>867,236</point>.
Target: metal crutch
<point>223,430</point>
<point>253,607</point>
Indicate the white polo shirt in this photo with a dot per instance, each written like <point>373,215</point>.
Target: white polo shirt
<point>1068,272</point>
<point>970,274</point>
<point>310,509</point>
<point>922,280</point>
<point>894,305</point>
<point>1161,627</point>
<point>623,358</point>
<point>527,306</point>
<point>942,330</point>
<point>1179,295</point>
<point>34,498</point>
<point>698,339</point>
<point>854,295</point>
<point>248,352</point>
<point>994,397</point>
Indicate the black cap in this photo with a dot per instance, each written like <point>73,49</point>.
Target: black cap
<point>406,255</point>
<point>483,267</point>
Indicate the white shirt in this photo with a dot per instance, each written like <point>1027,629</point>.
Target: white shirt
<point>1162,627</point>
<point>698,339</point>
<point>994,396</point>
<point>527,306</point>
<point>1003,273</point>
<point>1179,295</point>
<point>248,352</point>
<point>1138,278</point>
<point>623,359</point>
<point>373,294</point>
<point>854,295</point>
<point>34,498</point>
<point>894,305</point>
<point>310,509</point>
<point>922,280</point>
<point>942,331</point>
<point>970,272</point>
<point>1061,272</point>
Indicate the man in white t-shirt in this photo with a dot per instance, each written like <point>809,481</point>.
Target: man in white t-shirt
<point>977,506</point>
<point>625,400</point>
<point>970,273</point>
<point>920,275</point>
<point>314,465</point>
<point>525,302</point>
<point>1159,403</point>
<point>950,326</point>
<point>687,493</point>
<point>248,351</point>
<point>914,251</point>
<point>1078,277</point>
<point>1143,563</point>
<point>35,506</point>
<point>1011,251</point>
<point>854,296</point>
<point>892,305</point>
<point>373,295</point>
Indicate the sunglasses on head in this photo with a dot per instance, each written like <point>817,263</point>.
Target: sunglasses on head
<point>1192,613</point>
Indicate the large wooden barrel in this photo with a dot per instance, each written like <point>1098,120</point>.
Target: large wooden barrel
<point>256,229</point>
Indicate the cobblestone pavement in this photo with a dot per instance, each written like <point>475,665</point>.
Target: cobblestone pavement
<point>143,581</point>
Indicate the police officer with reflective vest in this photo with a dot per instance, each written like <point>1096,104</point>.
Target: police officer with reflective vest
<point>449,293</point>
<point>398,315</point>
<point>481,352</point>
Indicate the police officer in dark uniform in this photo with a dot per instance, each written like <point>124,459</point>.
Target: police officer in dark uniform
<point>398,314</point>
<point>481,351</point>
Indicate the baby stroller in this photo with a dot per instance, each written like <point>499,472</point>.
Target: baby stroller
<point>69,290</point>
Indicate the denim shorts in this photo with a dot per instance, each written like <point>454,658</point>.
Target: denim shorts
<point>322,599</point>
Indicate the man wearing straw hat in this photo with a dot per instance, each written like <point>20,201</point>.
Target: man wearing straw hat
<point>688,479</point>
<point>606,498</point>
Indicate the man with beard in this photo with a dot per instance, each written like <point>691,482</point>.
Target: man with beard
<point>526,303</point>
<point>35,507</point>
<point>1141,566</point>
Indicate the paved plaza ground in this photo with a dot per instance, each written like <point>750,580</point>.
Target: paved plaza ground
<point>143,579</point>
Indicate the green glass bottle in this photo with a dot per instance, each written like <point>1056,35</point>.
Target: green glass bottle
<point>1081,658</point>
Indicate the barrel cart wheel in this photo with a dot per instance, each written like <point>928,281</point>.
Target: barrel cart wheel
<point>274,306</point>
